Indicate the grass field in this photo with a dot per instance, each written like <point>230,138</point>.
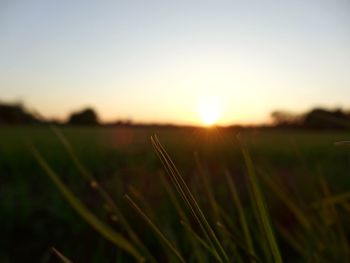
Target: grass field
<point>295,170</point>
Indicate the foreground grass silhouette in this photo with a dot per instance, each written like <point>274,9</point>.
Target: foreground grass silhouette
<point>213,234</point>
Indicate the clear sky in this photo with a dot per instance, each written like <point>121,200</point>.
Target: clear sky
<point>156,60</point>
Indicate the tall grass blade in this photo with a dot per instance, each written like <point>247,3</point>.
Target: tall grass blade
<point>332,200</point>
<point>292,241</point>
<point>173,198</point>
<point>103,193</point>
<point>104,229</point>
<point>241,214</point>
<point>333,213</point>
<point>257,197</point>
<point>139,197</point>
<point>200,240</point>
<point>208,189</point>
<point>238,242</point>
<point>159,233</point>
<point>283,196</point>
<point>200,257</point>
<point>83,171</point>
<point>62,257</point>
<point>189,199</point>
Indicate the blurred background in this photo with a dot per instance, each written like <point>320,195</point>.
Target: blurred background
<point>86,83</point>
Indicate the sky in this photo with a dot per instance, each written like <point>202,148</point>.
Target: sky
<point>156,61</point>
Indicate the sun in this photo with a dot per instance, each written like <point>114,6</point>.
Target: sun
<point>209,110</point>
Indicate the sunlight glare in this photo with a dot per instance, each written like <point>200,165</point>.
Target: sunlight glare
<point>209,110</point>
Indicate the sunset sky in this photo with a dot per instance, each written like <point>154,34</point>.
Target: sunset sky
<point>159,60</point>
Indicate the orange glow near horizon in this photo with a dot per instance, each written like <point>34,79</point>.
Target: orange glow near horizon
<point>209,110</point>
<point>152,62</point>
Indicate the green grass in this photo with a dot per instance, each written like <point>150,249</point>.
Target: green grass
<point>284,198</point>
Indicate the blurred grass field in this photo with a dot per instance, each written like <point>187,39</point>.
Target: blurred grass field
<point>35,217</point>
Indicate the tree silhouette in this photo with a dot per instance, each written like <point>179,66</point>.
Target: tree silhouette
<point>15,114</point>
<point>85,117</point>
<point>285,118</point>
<point>326,119</point>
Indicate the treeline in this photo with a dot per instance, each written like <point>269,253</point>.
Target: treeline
<point>318,118</point>
<point>11,114</point>
<point>18,114</point>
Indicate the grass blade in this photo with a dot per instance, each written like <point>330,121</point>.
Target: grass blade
<point>184,219</point>
<point>242,218</point>
<point>238,243</point>
<point>200,240</point>
<point>282,195</point>
<point>103,193</point>
<point>173,198</point>
<point>332,200</point>
<point>62,257</point>
<point>295,244</point>
<point>257,197</point>
<point>104,229</point>
<point>208,189</point>
<point>159,233</point>
<point>189,199</point>
<point>82,170</point>
<point>333,214</point>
